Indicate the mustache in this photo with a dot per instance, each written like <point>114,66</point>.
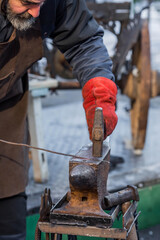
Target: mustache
<point>24,15</point>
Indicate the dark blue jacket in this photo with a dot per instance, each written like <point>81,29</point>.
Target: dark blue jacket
<point>74,31</point>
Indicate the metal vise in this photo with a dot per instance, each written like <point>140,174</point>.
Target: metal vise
<point>84,202</point>
<point>88,197</point>
<point>81,210</point>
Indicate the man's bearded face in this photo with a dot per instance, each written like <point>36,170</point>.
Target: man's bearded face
<point>21,21</point>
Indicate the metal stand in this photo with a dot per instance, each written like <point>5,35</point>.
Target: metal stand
<point>88,209</point>
<point>71,226</point>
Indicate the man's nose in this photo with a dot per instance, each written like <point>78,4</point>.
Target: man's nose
<point>34,11</point>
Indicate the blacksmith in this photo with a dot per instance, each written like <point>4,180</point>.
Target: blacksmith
<point>23,26</point>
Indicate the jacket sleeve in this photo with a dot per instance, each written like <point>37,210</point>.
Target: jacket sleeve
<point>80,38</point>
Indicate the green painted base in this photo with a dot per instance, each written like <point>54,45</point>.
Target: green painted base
<point>148,205</point>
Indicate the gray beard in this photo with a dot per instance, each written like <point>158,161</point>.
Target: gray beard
<point>21,22</point>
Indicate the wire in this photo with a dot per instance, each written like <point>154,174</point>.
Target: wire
<point>42,149</point>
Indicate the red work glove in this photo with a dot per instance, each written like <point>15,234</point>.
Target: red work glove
<point>100,92</point>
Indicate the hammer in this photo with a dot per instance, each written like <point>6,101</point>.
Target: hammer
<point>98,133</point>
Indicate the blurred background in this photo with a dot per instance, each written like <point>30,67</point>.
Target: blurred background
<point>135,142</point>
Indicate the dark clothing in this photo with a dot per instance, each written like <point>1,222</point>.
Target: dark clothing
<point>75,32</point>
<point>79,37</point>
<point>12,217</point>
<point>16,55</point>
<point>6,29</point>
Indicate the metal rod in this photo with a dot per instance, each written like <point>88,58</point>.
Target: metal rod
<point>133,223</point>
<point>42,149</point>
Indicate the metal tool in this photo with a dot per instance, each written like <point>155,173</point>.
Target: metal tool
<point>120,197</point>
<point>98,133</point>
<point>45,207</point>
<point>81,210</point>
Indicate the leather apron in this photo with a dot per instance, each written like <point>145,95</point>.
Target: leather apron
<point>16,56</point>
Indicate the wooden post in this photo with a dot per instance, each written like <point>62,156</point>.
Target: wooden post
<point>39,158</point>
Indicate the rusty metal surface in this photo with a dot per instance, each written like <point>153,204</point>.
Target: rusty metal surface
<point>125,195</point>
<point>128,210</point>
<point>62,227</point>
<point>45,208</point>
<point>65,226</point>
<point>88,178</point>
<point>83,231</point>
<point>46,205</point>
<point>85,199</point>
<point>115,212</point>
<point>83,177</point>
<point>82,207</point>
